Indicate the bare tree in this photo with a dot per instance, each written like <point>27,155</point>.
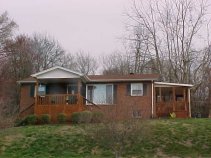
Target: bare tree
<point>7,27</point>
<point>85,63</point>
<point>18,64</point>
<point>69,61</point>
<point>167,35</point>
<point>140,56</point>
<point>116,63</point>
<point>171,27</point>
<point>47,52</point>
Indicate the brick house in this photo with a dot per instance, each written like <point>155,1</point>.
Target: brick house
<point>60,90</point>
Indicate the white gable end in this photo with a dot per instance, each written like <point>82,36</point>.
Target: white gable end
<point>56,72</point>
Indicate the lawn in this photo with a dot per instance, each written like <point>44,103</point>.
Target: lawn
<point>168,138</point>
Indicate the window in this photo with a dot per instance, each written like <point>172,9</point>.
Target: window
<point>136,89</point>
<point>100,93</point>
<point>90,90</point>
<point>41,90</point>
<point>32,89</point>
<point>136,114</point>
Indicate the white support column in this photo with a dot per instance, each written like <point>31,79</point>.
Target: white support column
<point>152,99</point>
<point>189,105</point>
<point>36,96</point>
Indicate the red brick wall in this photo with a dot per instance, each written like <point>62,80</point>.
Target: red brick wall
<point>26,100</point>
<point>123,109</point>
<point>127,104</point>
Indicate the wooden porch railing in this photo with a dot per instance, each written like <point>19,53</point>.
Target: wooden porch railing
<point>59,103</point>
<point>165,108</point>
<point>59,99</point>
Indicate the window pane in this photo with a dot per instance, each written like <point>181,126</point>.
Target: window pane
<point>41,90</point>
<point>90,93</point>
<point>137,89</point>
<point>109,96</point>
<point>99,96</point>
<point>137,92</point>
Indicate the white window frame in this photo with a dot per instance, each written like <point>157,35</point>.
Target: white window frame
<point>132,88</point>
<point>87,102</point>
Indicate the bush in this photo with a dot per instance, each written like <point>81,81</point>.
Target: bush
<point>75,117</point>
<point>61,118</point>
<point>97,117</point>
<point>86,117</point>
<point>45,118</point>
<point>18,122</point>
<point>30,120</point>
<point>81,117</point>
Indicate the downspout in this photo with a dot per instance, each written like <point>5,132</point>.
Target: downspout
<point>36,95</point>
<point>152,99</point>
<point>189,105</point>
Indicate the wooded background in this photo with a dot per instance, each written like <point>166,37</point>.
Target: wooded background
<point>168,37</point>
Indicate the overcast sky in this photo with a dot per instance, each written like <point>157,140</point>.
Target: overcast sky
<point>95,26</point>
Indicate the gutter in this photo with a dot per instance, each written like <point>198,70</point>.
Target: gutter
<point>118,80</point>
<point>152,99</point>
<point>20,82</point>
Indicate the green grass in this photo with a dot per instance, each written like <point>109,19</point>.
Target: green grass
<point>168,138</point>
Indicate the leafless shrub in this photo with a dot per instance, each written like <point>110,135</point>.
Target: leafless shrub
<point>119,135</point>
<point>6,122</point>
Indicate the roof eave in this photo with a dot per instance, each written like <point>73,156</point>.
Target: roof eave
<point>53,68</point>
<point>121,80</point>
<point>20,82</point>
<point>174,84</point>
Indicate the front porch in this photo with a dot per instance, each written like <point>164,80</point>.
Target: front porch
<point>58,103</point>
<point>54,97</point>
<point>58,91</point>
<point>172,98</point>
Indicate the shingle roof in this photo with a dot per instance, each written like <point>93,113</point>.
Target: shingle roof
<point>131,77</point>
<point>27,80</point>
<point>109,78</point>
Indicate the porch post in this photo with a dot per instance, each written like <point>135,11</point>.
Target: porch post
<point>152,99</point>
<point>189,104</point>
<point>174,99</point>
<point>160,94</point>
<point>185,98</point>
<point>79,93</point>
<point>36,94</point>
<point>79,86</point>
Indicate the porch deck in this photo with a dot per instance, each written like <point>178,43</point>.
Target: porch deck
<point>172,98</point>
<point>58,103</point>
<point>180,108</point>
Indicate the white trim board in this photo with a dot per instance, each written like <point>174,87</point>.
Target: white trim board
<point>57,72</point>
<point>166,84</point>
